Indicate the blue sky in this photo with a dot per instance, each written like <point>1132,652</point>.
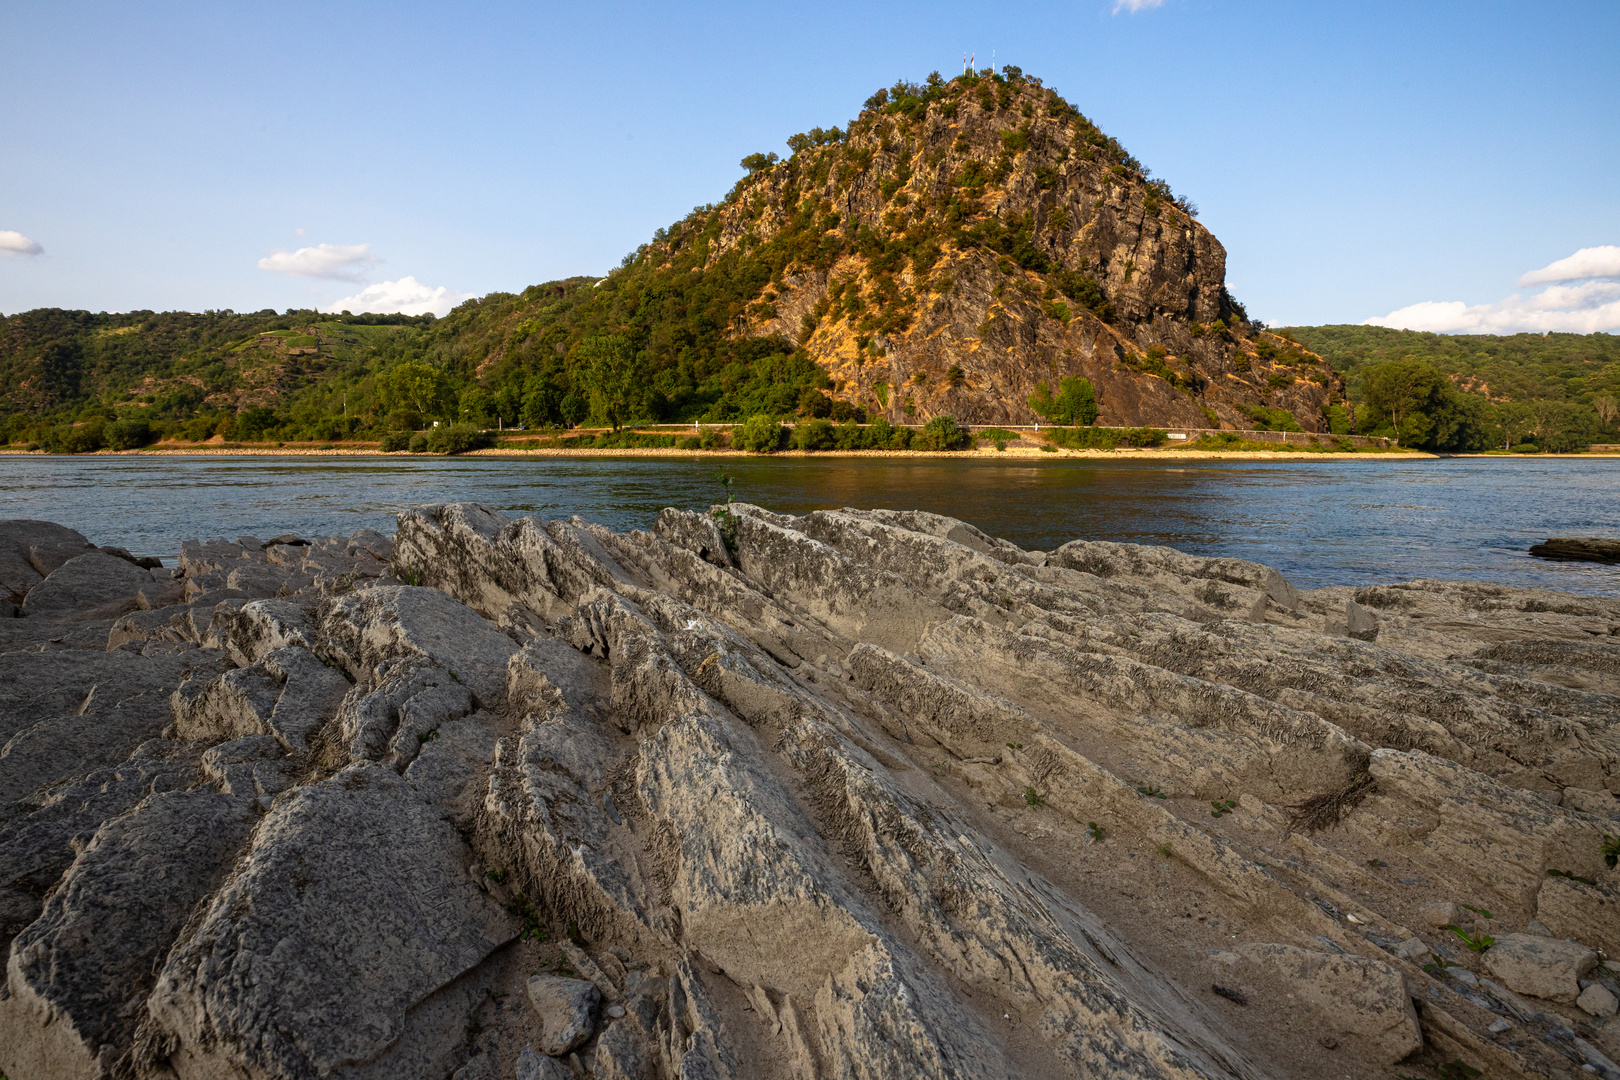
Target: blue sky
<point>1356,159</point>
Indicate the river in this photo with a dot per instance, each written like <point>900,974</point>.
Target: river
<point>1320,523</point>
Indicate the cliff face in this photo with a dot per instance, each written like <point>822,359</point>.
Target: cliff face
<point>966,241</point>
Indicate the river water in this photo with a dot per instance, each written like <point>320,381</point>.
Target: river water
<point>1320,523</point>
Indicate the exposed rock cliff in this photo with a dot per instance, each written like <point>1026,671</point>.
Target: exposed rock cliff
<point>855,794</point>
<point>965,241</point>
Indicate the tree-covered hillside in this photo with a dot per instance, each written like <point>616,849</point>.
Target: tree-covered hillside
<point>1472,392</point>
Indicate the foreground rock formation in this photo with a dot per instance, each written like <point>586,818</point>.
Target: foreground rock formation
<point>853,794</point>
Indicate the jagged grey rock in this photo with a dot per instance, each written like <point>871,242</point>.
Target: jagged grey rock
<point>1345,996</point>
<point>1598,1002</point>
<point>369,626</point>
<point>29,550</point>
<point>857,793</point>
<point>567,1009</point>
<point>353,905</point>
<point>91,585</point>
<point>81,972</point>
<point>1548,968</point>
<point>533,1066</point>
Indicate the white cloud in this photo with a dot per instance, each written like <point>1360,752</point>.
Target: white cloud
<point>15,243</point>
<point>1133,6</point>
<point>340,262</point>
<point>407,296</point>
<point>1581,298</point>
<point>1592,262</point>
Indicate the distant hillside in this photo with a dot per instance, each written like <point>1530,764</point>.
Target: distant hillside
<point>1557,390</point>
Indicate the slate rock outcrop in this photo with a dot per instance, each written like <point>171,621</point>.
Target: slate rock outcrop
<point>852,793</point>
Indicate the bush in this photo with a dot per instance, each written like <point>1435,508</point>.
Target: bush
<point>712,439</point>
<point>851,436</point>
<point>1105,438</point>
<point>395,441</point>
<point>457,439</point>
<point>1265,419</point>
<point>814,435</point>
<point>1076,402</point>
<point>692,442</point>
<point>418,443</point>
<point>84,438</point>
<point>759,434</point>
<point>1527,448</point>
<point>942,433</point>
<point>127,434</point>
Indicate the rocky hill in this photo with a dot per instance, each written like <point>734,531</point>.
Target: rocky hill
<point>852,794</point>
<point>961,244</point>
<point>964,241</point>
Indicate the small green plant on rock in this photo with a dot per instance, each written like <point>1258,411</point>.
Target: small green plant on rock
<point>1015,746</point>
<point>1164,849</point>
<point>1476,942</point>
<point>1221,807</point>
<point>1153,792</point>
<point>497,875</point>
<point>1570,876</point>
<point>1481,912</point>
<point>1033,798</point>
<point>427,736</point>
<point>724,519</point>
<point>527,914</point>
<point>1095,830</point>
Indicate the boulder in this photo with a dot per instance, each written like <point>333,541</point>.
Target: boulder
<point>1348,996</point>
<point>1588,911</point>
<point>1541,967</point>
<point>1413,949</point>
<point>533,1066</point>
<point>1438,916</point>
<point>1578,549</point>
<point>288,694</point>
<point>92,585</point>
<point>1359,622</point>
<point>82,970</point>
<point>567,1008</point>
<point>1596,1001</point>
<point>387,622</point>
<point>353,906</point>
<point>29,550</point>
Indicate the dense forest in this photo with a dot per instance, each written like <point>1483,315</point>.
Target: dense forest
<point>1555,392</point>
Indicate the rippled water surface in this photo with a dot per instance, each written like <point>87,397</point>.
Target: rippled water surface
<point>1321,523</point>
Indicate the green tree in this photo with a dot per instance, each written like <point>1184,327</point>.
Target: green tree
<point>1420,407</point>
<point>1076,401</point>
<point>612,375</point>
<point>1395,389</point>
<point>417,387</point>
<point>759,434</point>
<point>942,433</point>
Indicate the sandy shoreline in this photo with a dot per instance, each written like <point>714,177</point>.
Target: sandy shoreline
<point>981,454</point>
